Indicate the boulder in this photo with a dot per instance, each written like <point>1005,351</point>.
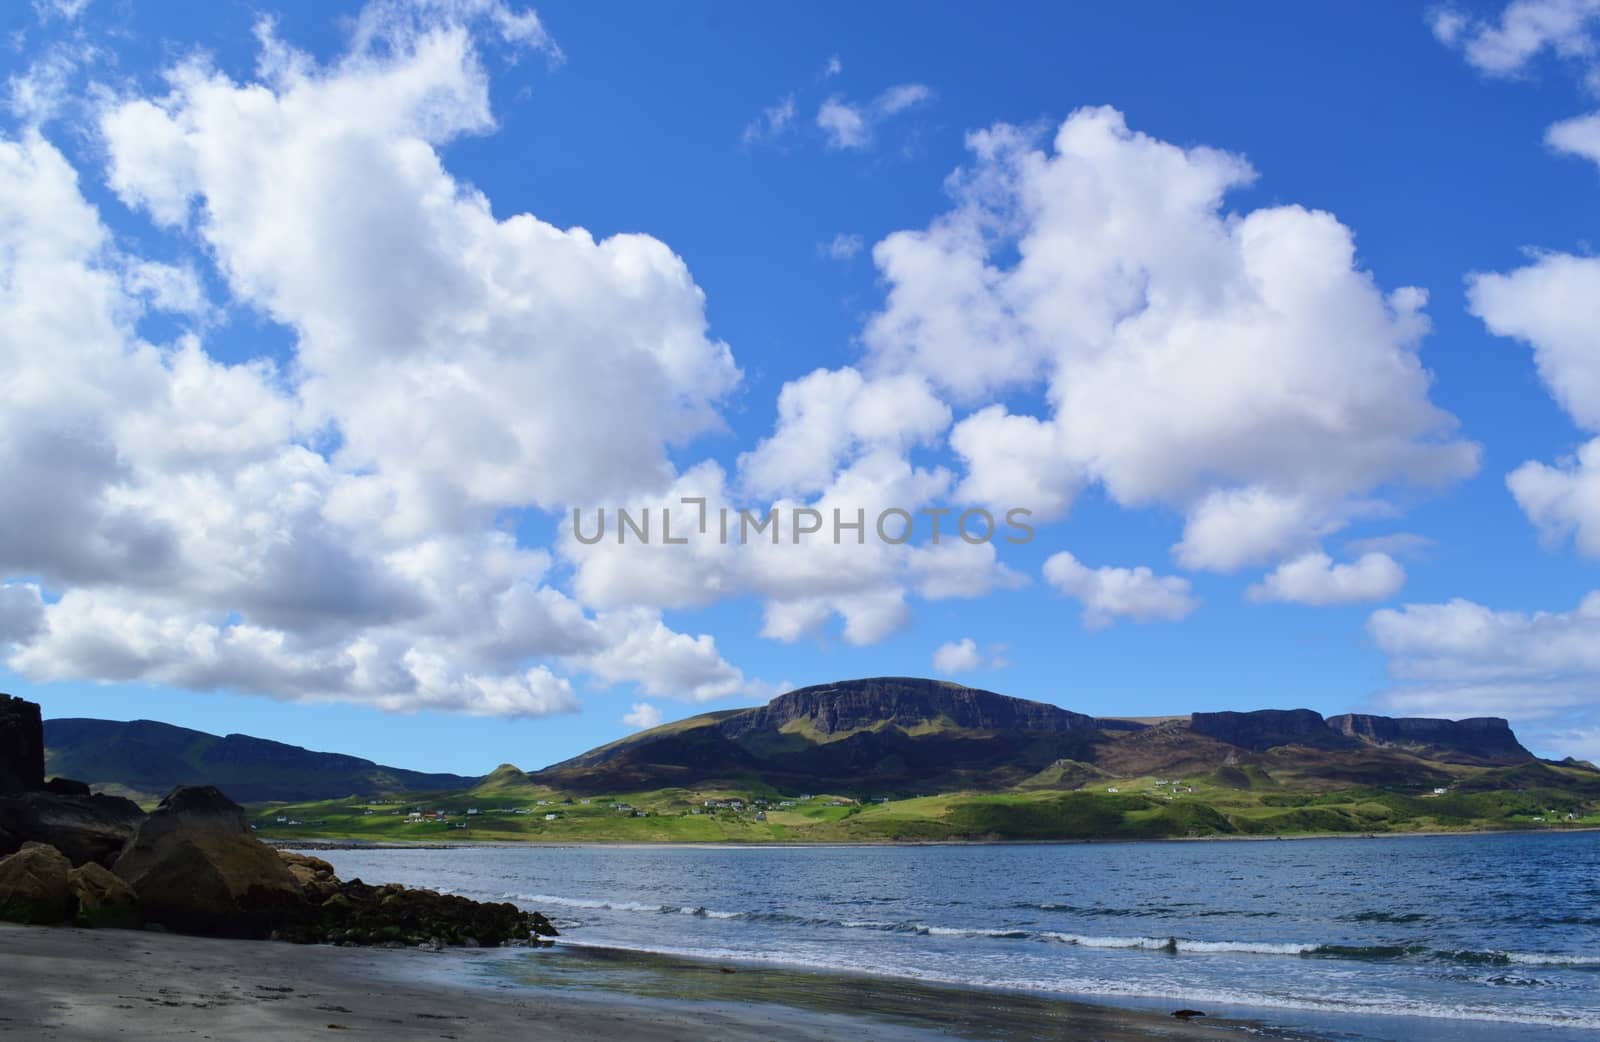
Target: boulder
<point>67,787</point>
<point>313,875</point>
<point>21,745</point>
<point>34,886</point>
<point>84,828</point>
<point>197,869</point>
<point>103,899</point>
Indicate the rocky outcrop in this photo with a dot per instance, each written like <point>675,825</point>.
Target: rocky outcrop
<point>35,886</point>
<point>1269,728</point>
<point>102,898</point>
<point>355,913</point>
<point>1484,738</point>
<point>904,702</point>
<point>197,869</point>
<point>194,866</point>
<point>84,828</point>
<point>21,746</point>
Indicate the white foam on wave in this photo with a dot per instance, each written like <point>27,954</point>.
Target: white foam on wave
<point>1542,959</point>
<point>1093,988</point>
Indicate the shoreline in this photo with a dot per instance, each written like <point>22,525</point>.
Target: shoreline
<point>68,984</point>
<point>338,843</point>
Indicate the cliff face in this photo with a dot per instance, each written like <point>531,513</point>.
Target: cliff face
<point>1481,739</point>
<point>21,745</point>
<point>1484,737</point>
<point>1267,728</point>
<point>904,702</point>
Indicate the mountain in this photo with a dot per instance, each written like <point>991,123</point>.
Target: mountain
<point>902,735</point>
<point>146,759</point>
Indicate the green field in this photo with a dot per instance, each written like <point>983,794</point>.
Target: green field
<point>1228,802</point>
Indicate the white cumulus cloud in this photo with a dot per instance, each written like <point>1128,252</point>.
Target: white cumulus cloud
<point>1108,593</point>
<point>1239,367</point>
<point>1314,578</point>
<point>330,529</point>
<point>642,716</point>
<point>964,656</point>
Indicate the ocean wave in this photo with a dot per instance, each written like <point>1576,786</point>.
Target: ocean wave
<point>1116,989</point>
<point>1171,945</point>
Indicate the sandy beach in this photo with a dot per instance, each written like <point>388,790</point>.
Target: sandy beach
<point>70,984</point>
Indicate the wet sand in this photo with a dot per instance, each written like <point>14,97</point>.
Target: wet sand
<point>69,984</point>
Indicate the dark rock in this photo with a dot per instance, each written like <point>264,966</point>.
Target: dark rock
<point>1269,728</point>
<point>21,745</point>
<point>34,886</point>
<point>84,828</point>
<point>197,869</point>
<point>66,787</point>
<point>1485,738</point>
<point>103,899</point>
<point>354,912</point>
<point>1187,1014</point>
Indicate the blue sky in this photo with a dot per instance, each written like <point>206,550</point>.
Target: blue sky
<point>323,556</point>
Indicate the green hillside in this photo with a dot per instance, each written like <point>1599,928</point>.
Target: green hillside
<point>1140,808</point>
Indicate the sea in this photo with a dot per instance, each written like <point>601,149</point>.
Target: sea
<point>1468,938</point>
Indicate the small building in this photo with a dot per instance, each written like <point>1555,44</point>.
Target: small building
<point>472,810</point>
<point>551,817</point>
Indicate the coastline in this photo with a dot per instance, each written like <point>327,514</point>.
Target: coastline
<point>70,984</point>
<point>338,843</point>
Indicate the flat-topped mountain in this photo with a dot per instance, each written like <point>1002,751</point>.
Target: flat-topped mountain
<point>906,703</point>
<point>1484,737</point>
<point>903,735</point>
<point>147,759</point>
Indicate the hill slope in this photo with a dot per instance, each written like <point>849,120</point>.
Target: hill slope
<point>903,735</point>
<point>899,758</point>
<point>144,758</point>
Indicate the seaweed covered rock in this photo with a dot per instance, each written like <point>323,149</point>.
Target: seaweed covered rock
<point>34,886</point>
<point>363,914</point>
<point>197,869</point>
<point>354,912</point>
<point>103,898</point>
